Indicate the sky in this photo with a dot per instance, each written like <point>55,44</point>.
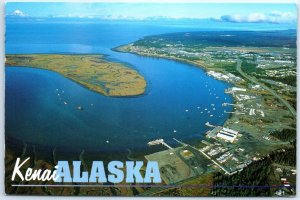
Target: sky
<point>252,13</point>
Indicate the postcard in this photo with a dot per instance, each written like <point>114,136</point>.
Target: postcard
<point>150,99</point>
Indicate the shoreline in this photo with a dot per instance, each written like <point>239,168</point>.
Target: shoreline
<point>257,127</point>
<point>85,70</point>
<point>194,64</point>
<point>29,67</point>
<point>116,49</point>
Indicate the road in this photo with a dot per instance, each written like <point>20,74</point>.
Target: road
<point>156,190</point>
<point>208,157</point>
<point>253,80</point>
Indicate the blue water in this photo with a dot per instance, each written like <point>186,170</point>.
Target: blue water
<point>176,93</point>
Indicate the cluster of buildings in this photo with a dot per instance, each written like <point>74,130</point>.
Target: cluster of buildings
<point>235,89</point>
<point>215,151</point>
<point>272,60</point>
<point>281,72</point>
<point>284,87</point>
<point>221,150</point>
<point>241,97</point>
<point>223,158</point>
<point>286,187</point>
<point>225,77</point>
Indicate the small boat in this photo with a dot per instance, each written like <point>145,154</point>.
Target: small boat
<point>80,108</point>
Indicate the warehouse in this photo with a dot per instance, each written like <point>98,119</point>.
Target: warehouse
<point>227,134</point>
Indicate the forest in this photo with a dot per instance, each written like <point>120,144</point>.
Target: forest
<point>259,178</point>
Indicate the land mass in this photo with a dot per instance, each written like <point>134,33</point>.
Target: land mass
<point>259,161</point>
<point>92,71</point>
<point>261,69</point>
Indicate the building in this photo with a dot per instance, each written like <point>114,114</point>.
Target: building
<point>227,134</point>
<point>235,89</point>
<point>223,133</point>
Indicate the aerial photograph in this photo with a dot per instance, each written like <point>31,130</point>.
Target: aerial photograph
<point>172,99</point>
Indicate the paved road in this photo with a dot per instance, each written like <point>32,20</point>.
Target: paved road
<point>184,144</point>
<point>252,79</point>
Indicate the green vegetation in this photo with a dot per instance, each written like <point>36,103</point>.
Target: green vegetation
<point>195,187</point>
<point>260,173</point>
<point>224,38</point>
<point>285,134</point>
<point>265,81</point>
<point>289,80</point>
<point>263,72</point>
<point>91,71</point>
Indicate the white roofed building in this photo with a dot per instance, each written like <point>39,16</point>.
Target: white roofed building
<point>227,134</point>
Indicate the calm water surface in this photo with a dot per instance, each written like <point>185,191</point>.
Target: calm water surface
<point>179,98</point>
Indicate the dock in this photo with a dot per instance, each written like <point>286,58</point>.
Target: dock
<point>238,113</point>
<point>159,141</point>
<point>231,104</point>
<point>209,125</point>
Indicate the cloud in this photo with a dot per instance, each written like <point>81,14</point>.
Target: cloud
<point>275,17</point>
<point>102,17</point>
<point>18,13</point>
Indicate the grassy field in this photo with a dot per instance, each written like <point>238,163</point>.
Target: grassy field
<point>91,71</point>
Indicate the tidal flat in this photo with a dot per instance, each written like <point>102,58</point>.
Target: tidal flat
<point>92,71</point>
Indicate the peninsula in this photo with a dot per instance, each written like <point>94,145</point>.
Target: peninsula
<point>92,71</point>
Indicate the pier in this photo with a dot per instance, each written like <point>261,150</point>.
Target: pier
<point>159,141</point>
<point>230,104</point>
<point>238,113</point>
<point>209,125</point>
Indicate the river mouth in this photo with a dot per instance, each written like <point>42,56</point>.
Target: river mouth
<point>178,101</point>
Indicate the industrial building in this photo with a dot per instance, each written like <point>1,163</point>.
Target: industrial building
<point>227,134</point>
<point>223,133</point>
